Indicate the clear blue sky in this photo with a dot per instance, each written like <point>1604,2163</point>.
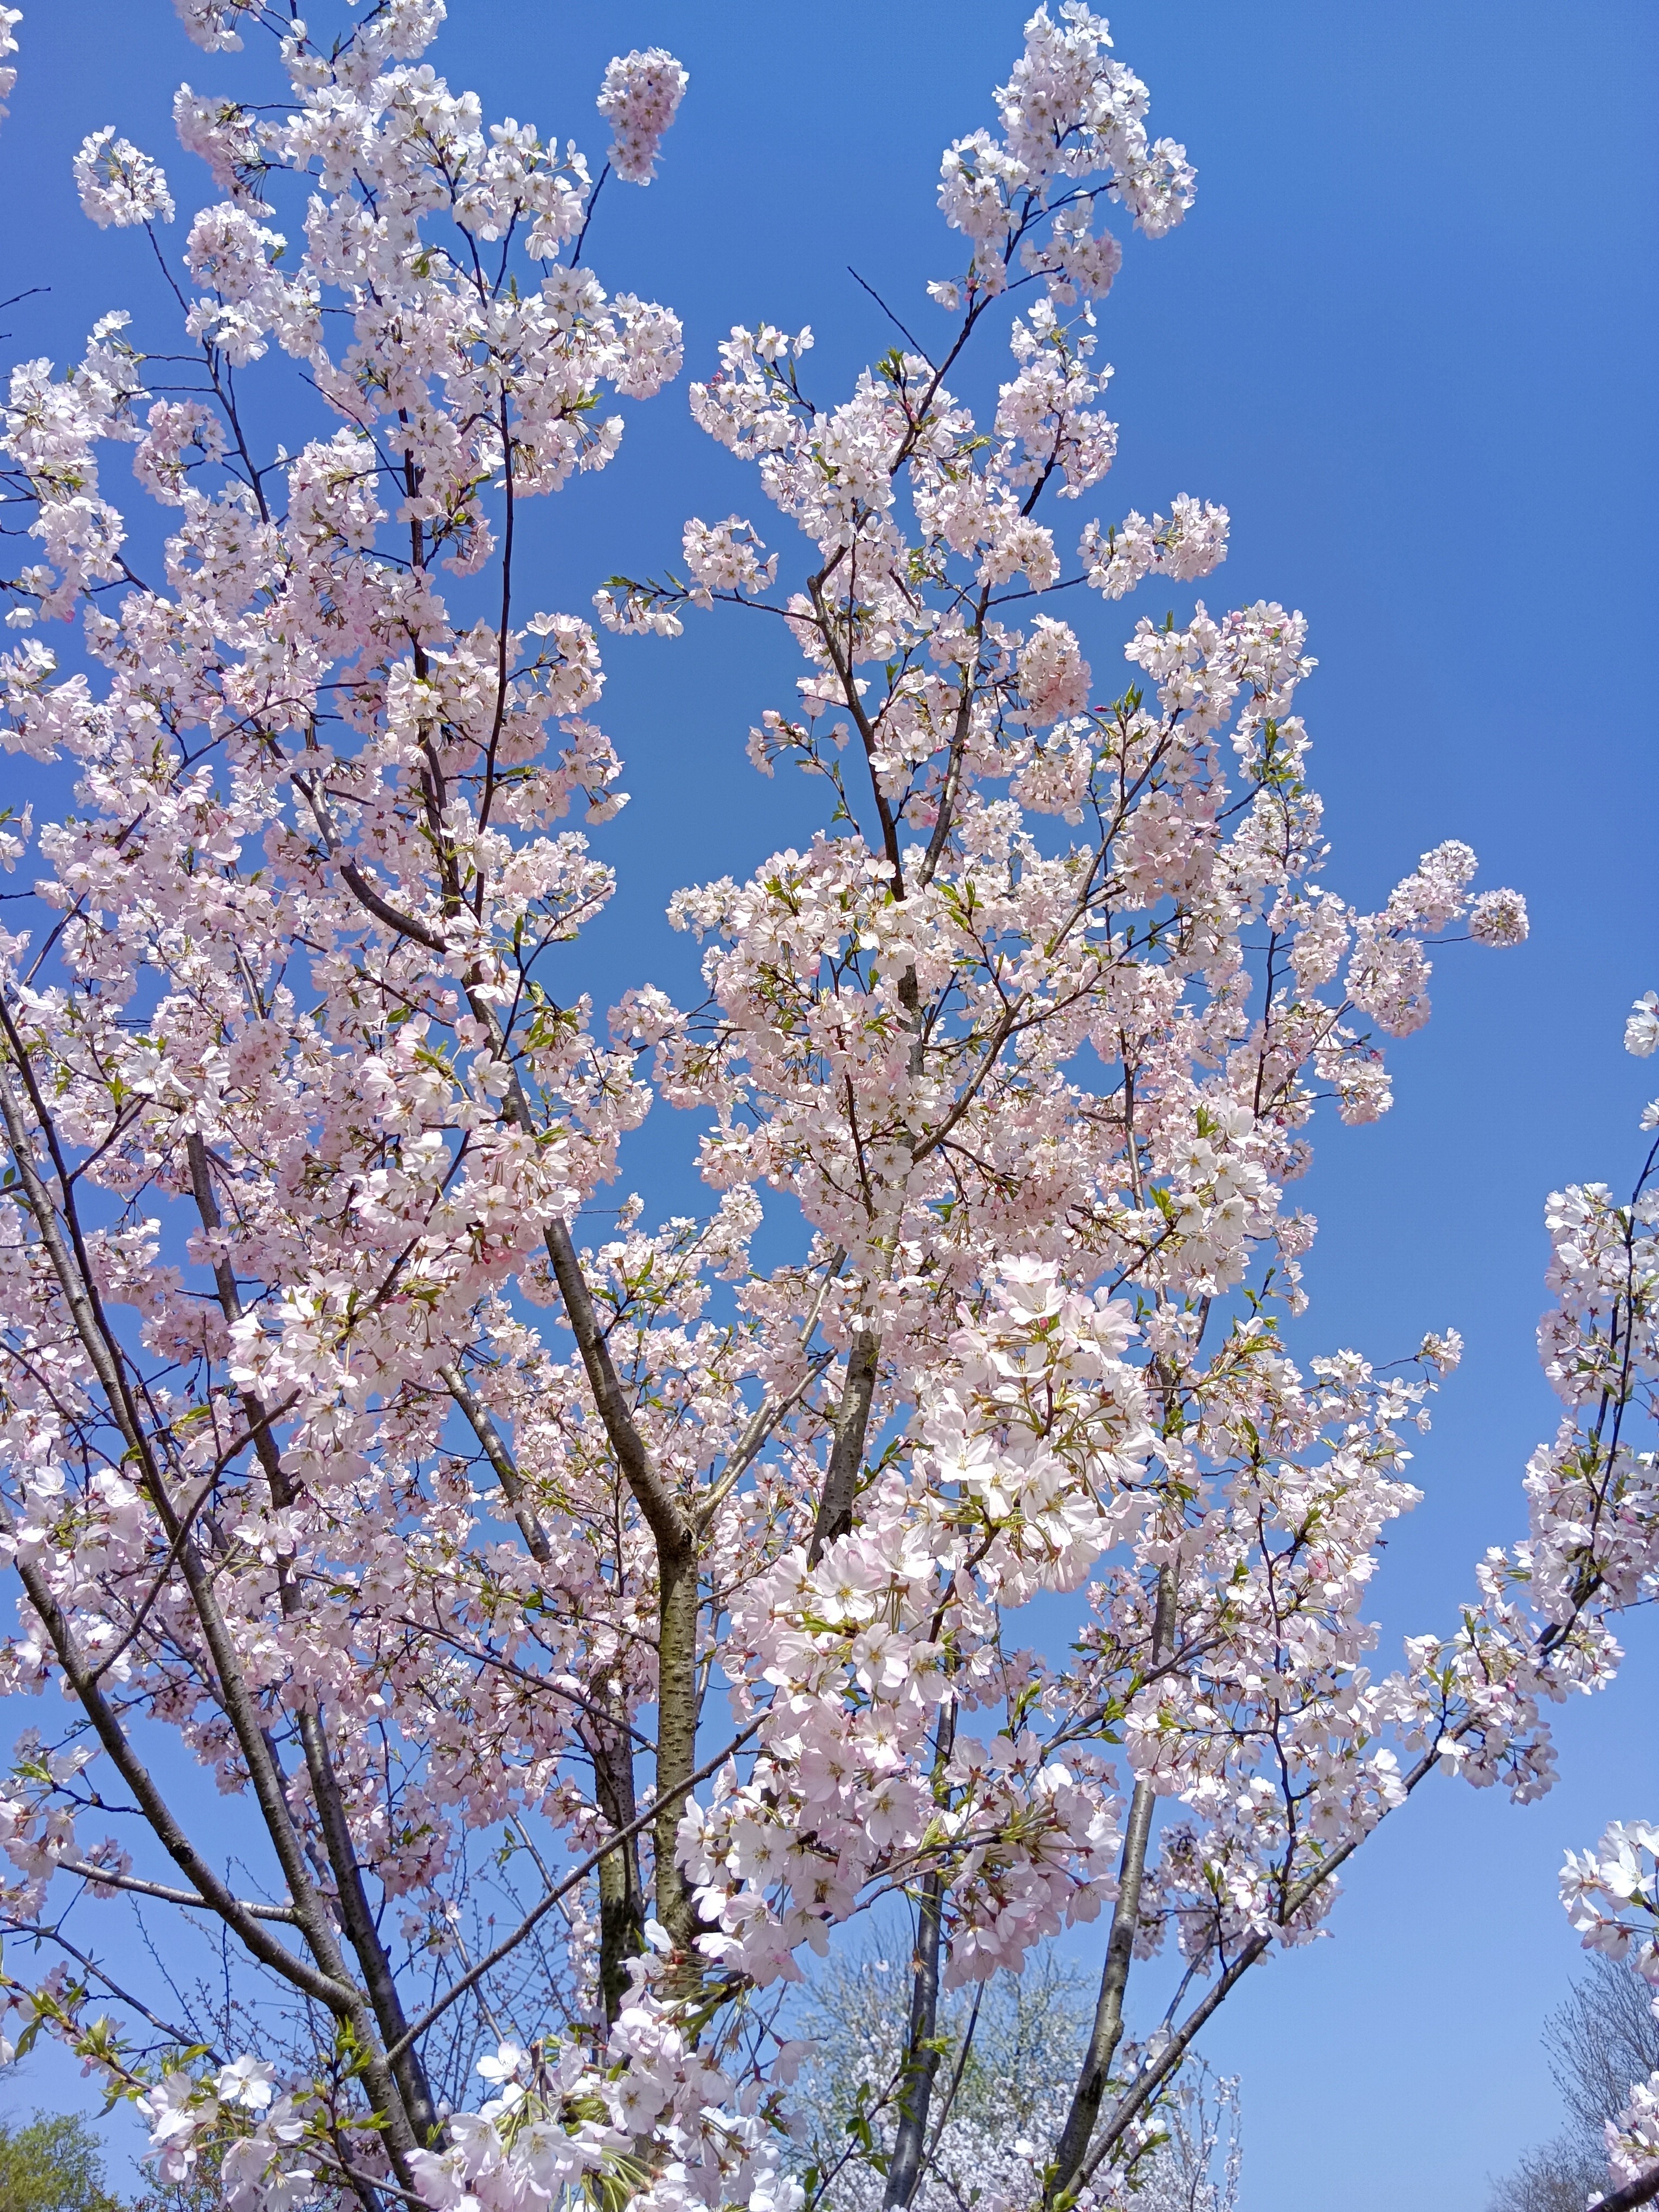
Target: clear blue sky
<point>1407,335</point>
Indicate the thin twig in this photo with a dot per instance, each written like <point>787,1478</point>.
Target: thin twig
<point>537,1912</point>
<point>890,316</point>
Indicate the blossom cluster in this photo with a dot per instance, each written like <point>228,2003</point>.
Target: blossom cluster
<point>1068,112</point>
<point>10,19</point>
<point>1611,1894</point>
<point>638,98</point>
<point>1543,1628</point>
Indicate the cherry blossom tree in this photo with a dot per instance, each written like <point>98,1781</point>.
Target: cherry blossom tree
<point>1008,2063</point>
<point>1595,1505</point>
<point>1601,2038</point>
<point>673,1595</point>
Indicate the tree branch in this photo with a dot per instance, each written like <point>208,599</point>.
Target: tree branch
<point>578,1873</point>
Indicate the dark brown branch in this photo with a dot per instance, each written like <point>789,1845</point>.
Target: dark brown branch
<point>834,1514</point>
<point>383,910</point>
<point>1107,2029</point>
<point>283,1914</point>
<point>578,1873</point>
<point>505,1467</point>
<point>419,2113</point>
<point>1137,2098</point>
<point>337,1995</point>
<point>1642,2190</point>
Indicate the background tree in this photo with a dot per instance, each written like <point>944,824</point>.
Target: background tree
<point>54,2163</point>
<point>1009,2053</point>
<point>1602,2037</point>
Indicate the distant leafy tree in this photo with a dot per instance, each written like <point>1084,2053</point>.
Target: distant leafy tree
<point>199,2193</point>
<point>55,2164</point>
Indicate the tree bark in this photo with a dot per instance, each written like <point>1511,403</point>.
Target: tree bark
<point>1107,2031</point>
<point>834,1514</point>
<point>677,1745</point>
<point>622,1901</point>
<point>921,2054</point>
<point>622,1904</point>
<point>674,1537</point>
<point>921,2050</point>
